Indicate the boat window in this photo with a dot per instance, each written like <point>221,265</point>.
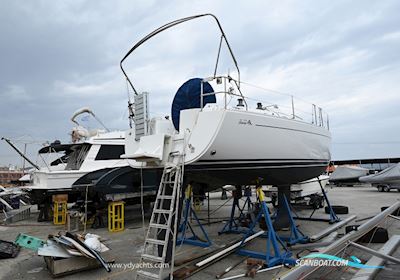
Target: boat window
<point>77,156</point>
<point>60,160</point>
<point>107,152</point>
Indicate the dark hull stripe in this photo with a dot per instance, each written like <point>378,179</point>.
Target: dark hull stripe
<point>253,165</point>
<point>102,139</point>
<point>264,160</point>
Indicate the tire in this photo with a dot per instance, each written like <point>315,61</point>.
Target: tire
<point>274,201</point>
<point>319,203</point>
<point>338,209</point>
<point>380,189</point>
<point>386,188</point>
<point>315,205</point>
<point>315,201</point>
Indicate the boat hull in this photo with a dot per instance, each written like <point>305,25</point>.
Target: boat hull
<point>117,182</point>
<point>216,176</point>
<point>54,180</point>
<point>347,175</point>
<point>244,147</point>
<point>237,147</point>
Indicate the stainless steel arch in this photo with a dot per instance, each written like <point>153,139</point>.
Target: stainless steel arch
<point>172,24</point>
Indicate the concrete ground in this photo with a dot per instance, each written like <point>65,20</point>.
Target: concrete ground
<point>126,246</point>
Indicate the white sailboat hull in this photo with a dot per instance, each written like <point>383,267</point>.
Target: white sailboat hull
<point>228,147</point>
<point>246,146</point>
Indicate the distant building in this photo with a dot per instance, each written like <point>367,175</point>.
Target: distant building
<point>9,176</point>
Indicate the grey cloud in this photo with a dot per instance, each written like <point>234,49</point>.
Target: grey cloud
<point>59,56</point>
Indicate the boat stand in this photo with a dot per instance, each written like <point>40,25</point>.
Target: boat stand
<point>189,212</point>
<point>296,236</point>
<point>272,256</point>
<point>234,224</point>
<point>333,218</point>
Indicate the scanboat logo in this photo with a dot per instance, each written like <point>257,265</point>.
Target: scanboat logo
<point>245,122</point>
<point>329,260</point>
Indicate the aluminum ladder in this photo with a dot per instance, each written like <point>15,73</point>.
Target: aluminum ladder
<point>162,230</point>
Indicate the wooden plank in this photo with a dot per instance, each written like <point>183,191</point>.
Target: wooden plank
<point>69,266</point>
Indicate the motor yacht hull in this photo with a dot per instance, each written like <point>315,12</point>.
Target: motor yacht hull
<point>311,186</point>
<point>98,152</point>
<point>54,180</point>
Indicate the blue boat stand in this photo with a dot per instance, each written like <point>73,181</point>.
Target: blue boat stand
<point>333,218</point>
<point>234,224</point>
<point>273,255</point>
<point>296,236</point>
<point>185,225</point>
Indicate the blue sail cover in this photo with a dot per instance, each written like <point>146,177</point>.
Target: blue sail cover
<point>188,97</point>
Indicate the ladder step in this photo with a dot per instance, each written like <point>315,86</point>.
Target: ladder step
<point>172,179</point>
<point>169,182</point>
<point>165,197</point>
<point>154,225</point>
<point>169,166</point>
<point>162,211</point>
<point>147,274</point>
<point>176,154</point>
<point>152,258</point>
<point>155,241</point>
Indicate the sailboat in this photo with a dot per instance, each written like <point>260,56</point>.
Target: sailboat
<point>223,144</point>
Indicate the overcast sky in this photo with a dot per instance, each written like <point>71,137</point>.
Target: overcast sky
<point>59,56</point>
